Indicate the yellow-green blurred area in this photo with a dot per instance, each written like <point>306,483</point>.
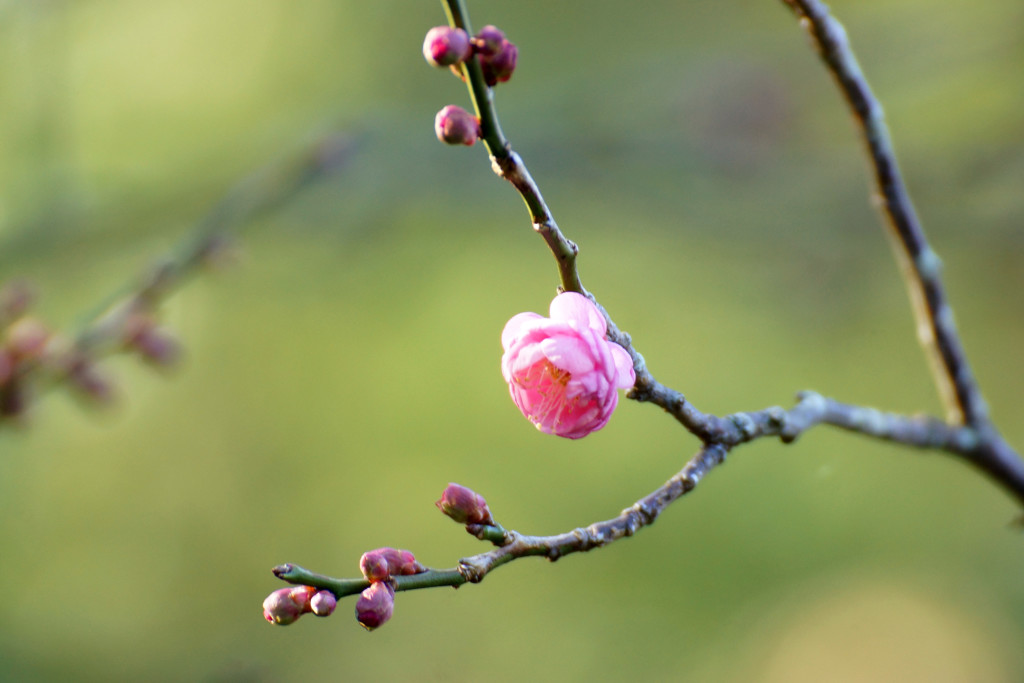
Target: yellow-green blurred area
<point>347,367</point>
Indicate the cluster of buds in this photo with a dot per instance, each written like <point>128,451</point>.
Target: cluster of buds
<point>28,348</point>
<point>32,354</point>
<point>450,47</point>
<point>285,605</point>
<point>380,567</point>
<point>376,604</point>
<point>446,46</point>
<point>497,55</point>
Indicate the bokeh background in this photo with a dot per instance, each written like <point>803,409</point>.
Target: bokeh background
<point>346,368</point>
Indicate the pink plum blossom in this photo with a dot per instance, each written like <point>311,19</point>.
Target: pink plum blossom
<point>562,372</point>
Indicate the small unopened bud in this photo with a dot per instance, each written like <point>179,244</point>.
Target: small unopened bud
<point>383,563</point>
<point>488,41</point>
<point>155,344</point>
<point>285,605</point>
<point>402,562</point>
<point>374,565</point>
<point>26,338</point>
<point>89,381</point>
<point>464,505</point>
<point>375,605</point>
<point>498,68</point>
<point>323,603</point>
<point>303,595</point>
<point>445,46</point>
<point>456,126</point>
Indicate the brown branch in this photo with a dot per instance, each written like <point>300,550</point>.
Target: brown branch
<point>920,265</point>
<point>513,545</point>
<point>968,434</point>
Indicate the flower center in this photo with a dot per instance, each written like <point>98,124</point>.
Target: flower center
<point>547,385</point>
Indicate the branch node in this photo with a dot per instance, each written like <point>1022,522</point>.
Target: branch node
<point>745,425</point>
<point>472,570</point>
<point>282,570</point>
<point>776,417</point>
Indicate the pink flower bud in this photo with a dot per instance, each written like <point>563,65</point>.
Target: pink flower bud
<point>152,342</point>
<point>489,40</point>
<point>323,603</point>
<point>445,46</point>
<point>303,595</point>
<point>383,563</point>
<point>375,605</point>
<point>403,563</point>
<point>499,67</point>
<point>456,126</point>
<point>374,565</point>
<point>562,372</point>
<point>464,505</point>
<point>84,376</point>
<point>285,605</point>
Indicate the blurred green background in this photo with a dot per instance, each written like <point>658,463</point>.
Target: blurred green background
<point>347,368</point>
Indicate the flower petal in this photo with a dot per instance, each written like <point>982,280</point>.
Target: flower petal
<point>517,326</point>
<point>571,354</point>
<point>625,376</point>
<point>578,311</point>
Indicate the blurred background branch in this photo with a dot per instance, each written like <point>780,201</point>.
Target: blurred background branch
<point>33,358</point>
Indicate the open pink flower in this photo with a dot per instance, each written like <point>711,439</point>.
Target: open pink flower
<point>561,371</point>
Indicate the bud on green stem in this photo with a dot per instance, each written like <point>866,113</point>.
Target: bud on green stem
<point>464,505</point>
<point>445,46</point>
<point>323,603</point>
<point>456,126</point>
<point>375,606</point>
<point>285,605</point>
<point>383,563</point>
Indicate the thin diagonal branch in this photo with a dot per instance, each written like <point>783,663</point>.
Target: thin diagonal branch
<point>255,195</point>
<point>921,266</point>
<point>507,164</point>
<point>103,330</point>
<point>812,409</point>
<point>515,545</point>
